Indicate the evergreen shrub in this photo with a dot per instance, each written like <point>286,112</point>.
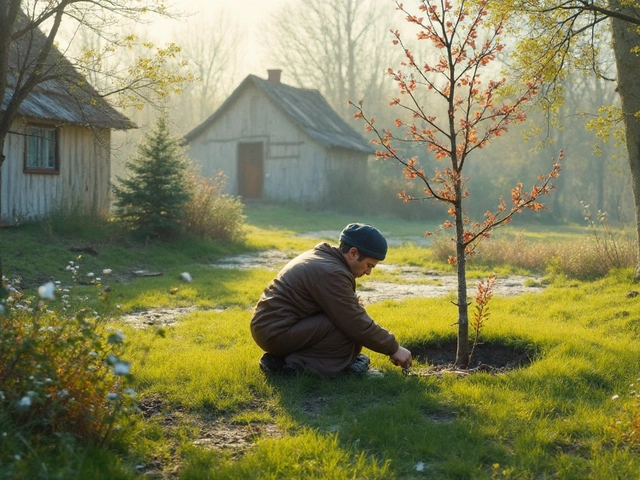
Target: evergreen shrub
<point>152,199</point>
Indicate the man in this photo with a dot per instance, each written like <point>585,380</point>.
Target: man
<point>309,317</point>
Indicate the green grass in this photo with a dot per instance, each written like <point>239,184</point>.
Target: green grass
<point>552,419</point>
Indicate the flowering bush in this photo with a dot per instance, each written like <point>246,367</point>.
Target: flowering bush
<point>60,373</point>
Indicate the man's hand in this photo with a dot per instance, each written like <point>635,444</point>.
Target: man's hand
<point>401,358</point>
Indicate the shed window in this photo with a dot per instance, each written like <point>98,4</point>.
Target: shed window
<point>41,149</point>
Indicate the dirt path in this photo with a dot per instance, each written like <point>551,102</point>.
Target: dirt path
<point>407,282</point>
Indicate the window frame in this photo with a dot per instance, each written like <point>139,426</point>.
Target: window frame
<point>55,169</point>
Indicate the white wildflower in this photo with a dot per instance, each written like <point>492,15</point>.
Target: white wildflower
<point>106,271</point>
<point>419,467</point>
<point>25,402</point>
<point>615,397</point>
<point>186,276</point>
<point>122,368</point>
<point>46,291</point>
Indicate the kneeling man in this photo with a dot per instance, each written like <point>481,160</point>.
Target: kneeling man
<point>309,317</point>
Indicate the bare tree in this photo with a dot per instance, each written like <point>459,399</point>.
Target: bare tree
<point>336,46</point>
<point>212,46</point>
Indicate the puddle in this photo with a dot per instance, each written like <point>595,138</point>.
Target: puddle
<point>159,317</point>
<point>267,259</point>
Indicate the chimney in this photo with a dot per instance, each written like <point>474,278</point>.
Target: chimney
<point>274,75</point>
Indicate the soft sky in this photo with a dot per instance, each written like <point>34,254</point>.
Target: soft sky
<point>248,13</point>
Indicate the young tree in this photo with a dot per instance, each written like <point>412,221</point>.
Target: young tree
<point>152,199</point>
<point>475,111</point>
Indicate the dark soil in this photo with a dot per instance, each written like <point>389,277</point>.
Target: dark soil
<point>489,356</point>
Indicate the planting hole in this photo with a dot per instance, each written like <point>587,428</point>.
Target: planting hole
<point>491,356</point>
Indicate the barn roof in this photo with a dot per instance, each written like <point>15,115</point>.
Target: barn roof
<point>307,108</point>
<point>65,96</point>
<point>60,105</point>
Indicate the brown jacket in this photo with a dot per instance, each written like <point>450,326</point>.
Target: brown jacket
<point>317,281</point>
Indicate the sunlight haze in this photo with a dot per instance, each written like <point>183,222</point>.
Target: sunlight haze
<point>250,15</point>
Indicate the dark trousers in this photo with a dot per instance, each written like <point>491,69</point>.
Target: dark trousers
<point>314,342</point>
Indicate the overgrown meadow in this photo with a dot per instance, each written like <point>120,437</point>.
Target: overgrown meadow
<point>187,399</point>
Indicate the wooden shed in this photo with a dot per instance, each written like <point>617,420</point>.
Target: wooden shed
<point>59,147</point>
<point>279,143</point>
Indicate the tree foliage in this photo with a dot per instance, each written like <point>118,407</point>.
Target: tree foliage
<point>152,200</point>
<point>572,34</point>
<point>475,111</point>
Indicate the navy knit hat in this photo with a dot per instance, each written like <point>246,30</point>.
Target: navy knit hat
<point>367,239</point>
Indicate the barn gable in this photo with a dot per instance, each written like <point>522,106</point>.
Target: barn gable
<point>287,142</point>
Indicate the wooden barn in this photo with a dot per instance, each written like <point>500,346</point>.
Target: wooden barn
<point>58,150</point>
<point>279,143</point>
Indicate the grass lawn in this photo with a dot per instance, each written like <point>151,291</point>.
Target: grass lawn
<point>207,411</point>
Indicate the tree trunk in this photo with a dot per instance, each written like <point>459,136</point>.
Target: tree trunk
<point>2,157</point>
<point>462,352</point>
<point>625,38</point>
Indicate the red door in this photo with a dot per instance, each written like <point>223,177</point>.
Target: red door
<point>250,170</point>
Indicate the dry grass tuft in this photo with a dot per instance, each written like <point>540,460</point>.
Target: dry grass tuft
<point>585,258</point>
